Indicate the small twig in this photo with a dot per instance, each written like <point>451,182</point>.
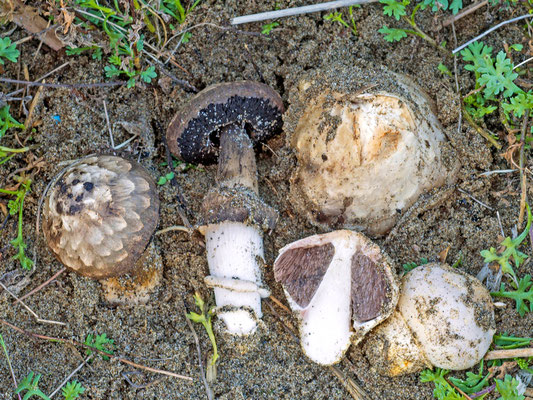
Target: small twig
<point>63,85</point>
<point>173,228</point>
<point>476,200</point>
<point>71,375</point>
<point>42,285</point>
<point>208,389</point>
<point>480,130</point>
<point>523,176</point>
<point>45,321</point>
<point>41,78</point>
<point>109,127</point>
<point>2,343</point>
<point>466,11</point>
<point>32,107</point>
<point>522,63</point>
<point>162,68</point>
<point>457,88</point>
<point>297,11</point>
<point>509,353</point>
<point>75,343</point>
<point>484,391</point>
<point>458,49</point>
<point>279,303</point>
<point>134,385</point>
<point>498,171</point>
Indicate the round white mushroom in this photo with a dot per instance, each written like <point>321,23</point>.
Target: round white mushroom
<point>444,318</point>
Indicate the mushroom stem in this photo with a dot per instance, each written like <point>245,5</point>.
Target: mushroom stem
<point>236,161</point>
<point>233,254</point>
<point>235,249</point>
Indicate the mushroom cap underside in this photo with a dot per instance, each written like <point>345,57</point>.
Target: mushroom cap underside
<point>193,134</point>
<point>100,214</point>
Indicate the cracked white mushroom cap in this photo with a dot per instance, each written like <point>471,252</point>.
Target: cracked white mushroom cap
<point>444,318</point>
<point>368,144</point>
<point>100,214</point>
<point>335,282</point>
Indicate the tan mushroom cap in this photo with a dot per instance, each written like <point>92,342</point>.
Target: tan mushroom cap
<point>100,215</point>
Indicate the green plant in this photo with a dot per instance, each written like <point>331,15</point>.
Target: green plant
<point>7,121</point>
<point>267,28</point>
<point>176,9</point>
<point>412,265</point>
<point>337,17</point>
<point>495,84</point>
<point>16,206</point>
<point>166,178</point>
<point>30,384</point>
<point>473,382</point>
<point>443,390</point>
<point>508,388</point>
<point>8,50</point>
<point>505,341</point>
<point>101,343</point>
<point>523,293</point>
<point>511,251</point>
<point>204,318</point>
<point>72,390</point>
<point>397,10</point>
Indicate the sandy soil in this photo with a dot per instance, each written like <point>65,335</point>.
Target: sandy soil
<point>270,365</point>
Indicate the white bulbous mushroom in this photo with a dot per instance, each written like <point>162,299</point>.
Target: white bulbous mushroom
<point>335,282</point>
<point>224,121</point>
<point>368,144</point>
<point>444,318</point>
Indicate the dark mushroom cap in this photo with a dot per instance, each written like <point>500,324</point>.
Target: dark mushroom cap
<point>100,214</point>
<point>193,134</point>
<point>237,205</point>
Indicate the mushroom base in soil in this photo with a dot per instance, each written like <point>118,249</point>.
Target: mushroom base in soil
<point>444,319</point>
<point>235,116</point>
<point>98,220</point>
<point>340,285</point>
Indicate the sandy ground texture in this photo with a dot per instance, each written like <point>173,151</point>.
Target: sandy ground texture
<point>270,365</point>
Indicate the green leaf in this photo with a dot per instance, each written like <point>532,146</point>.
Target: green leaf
<point>392,34</point>
<point>8,50</point>
<point>100,342</point>
<point>508,388</point>
<point>522,294</point>
<point>516,47</point>
<point>31,385</point>
<point>473,382</point>
<point>72,390</point>
<point>130,83</point>
<point>186,37</point>
<point>455,6</point>
<point>267,28</point>
<point>112,71</point>
<point>444,69</point>
<point>394,8</point>
<point>7,121</point>
<point>519,104</point>
<point>498,76</point>
<point>443,390</point>
<point>148,74</point>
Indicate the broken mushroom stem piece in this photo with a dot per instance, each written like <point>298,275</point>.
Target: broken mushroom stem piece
<point>335,281</point>
<point>98,219</point>
<point>234,116</point>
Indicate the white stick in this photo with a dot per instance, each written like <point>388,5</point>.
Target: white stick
<point>297,11</point>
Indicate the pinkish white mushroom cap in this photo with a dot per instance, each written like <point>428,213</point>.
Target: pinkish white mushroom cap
<point>334,282</point>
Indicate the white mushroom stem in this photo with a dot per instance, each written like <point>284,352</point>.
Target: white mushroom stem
<point>235,249</point>
<point>233,254</point>
<point>325,330</point>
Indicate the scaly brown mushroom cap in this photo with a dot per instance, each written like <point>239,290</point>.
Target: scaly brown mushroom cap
<point>193,135</point>
<point>100,214</point>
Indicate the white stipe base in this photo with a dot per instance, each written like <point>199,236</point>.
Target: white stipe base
<point>233,253</point>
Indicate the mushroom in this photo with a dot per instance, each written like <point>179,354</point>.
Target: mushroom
<point>331,280</point>
<point>444,318</point>
<point>367,142</point>
<point>98,219</point>
<point>225,121</point>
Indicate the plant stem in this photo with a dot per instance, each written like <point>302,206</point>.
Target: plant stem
<point>9,150</point>
<point>2,343</point>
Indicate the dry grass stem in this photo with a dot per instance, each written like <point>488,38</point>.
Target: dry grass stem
<point>510,353</point>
